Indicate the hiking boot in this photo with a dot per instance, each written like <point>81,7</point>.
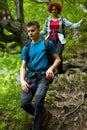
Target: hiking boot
<point>46,118</point>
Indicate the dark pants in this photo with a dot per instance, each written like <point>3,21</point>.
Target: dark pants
<point>59,47</point>
<point>37,90</point>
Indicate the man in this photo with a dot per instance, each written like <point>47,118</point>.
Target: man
<point>39,74</point>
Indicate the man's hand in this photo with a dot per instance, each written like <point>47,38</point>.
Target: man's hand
<point>49,74</point>
<point>25,86</point>
<point>84,20</point>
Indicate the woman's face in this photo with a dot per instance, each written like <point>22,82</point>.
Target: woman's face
<point>54,10</point>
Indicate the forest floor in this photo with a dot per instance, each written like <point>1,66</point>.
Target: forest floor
<point>69,111</point>
<point>69,107</point>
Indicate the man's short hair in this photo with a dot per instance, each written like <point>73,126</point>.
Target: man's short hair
<point>33,23</point>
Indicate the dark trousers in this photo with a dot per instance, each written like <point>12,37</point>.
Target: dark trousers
<point>37,90</point>
<point>59,47</point>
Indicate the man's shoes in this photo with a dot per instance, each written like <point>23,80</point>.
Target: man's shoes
<point>46,118</point>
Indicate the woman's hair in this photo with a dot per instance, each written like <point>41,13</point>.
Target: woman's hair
<point>57,5</point>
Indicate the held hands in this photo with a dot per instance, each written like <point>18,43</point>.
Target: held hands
<point>49,74</point>
<point>25,86</point>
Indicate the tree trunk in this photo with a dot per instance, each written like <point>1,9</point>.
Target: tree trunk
<point>19,10</point>
<point>17,32</point>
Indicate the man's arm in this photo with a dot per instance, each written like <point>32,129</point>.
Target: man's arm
<point>49,72</point>
<point>22,77</point>
<point>56,63</point>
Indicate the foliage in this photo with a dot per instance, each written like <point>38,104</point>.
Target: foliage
<point>9,88</point>
<point>11,115</point>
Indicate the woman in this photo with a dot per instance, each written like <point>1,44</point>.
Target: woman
<point>54,27</point>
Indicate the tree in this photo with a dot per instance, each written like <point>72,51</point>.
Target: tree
<point>17,33</point>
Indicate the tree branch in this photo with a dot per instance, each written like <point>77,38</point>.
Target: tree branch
<point>8,49</point>
<point>8,38</point>
<point>44,1</point>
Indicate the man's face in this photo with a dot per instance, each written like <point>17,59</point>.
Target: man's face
<point>33,32</point>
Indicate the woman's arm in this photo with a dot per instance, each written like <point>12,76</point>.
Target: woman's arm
<point>45,29</point>
<point>73,25</point>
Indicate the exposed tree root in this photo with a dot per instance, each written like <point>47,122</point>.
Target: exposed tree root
<point>71,112</point>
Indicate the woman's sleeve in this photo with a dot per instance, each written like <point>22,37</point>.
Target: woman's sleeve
<point>44,31</point>
<point>72,25</point>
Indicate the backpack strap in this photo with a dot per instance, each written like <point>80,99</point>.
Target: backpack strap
<point>46,43</point>
<point>63,27</point>
<point>49,55</point>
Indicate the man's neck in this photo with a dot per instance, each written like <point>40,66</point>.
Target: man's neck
<point>36,40</point>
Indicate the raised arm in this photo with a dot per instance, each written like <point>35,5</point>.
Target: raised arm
<point>74,25</point>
